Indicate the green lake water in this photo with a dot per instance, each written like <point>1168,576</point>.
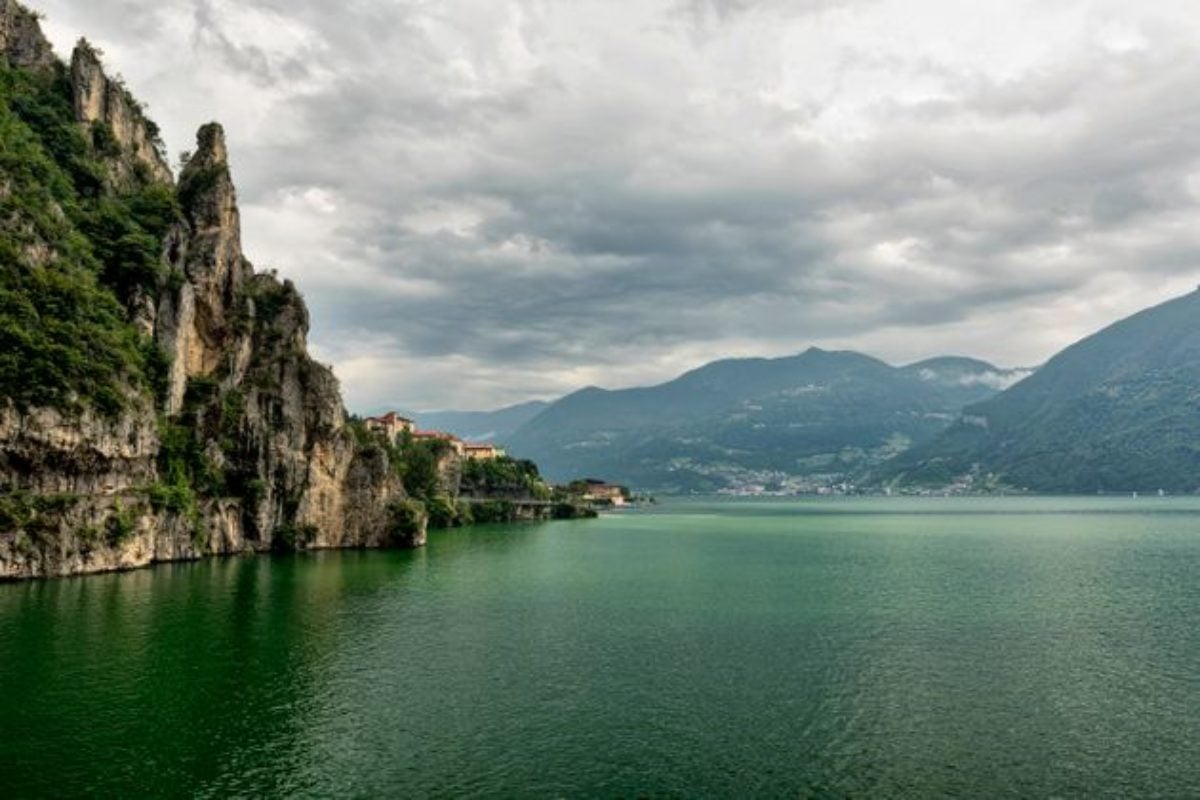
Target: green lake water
<point>832,648</point>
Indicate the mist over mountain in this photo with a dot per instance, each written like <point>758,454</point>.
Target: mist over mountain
<point>1117,411</point>
<point>966,380</point>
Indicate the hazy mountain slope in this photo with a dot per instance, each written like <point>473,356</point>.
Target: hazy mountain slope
<point>816,417</point>
<point>481,425</point>
<point>1119,410</point>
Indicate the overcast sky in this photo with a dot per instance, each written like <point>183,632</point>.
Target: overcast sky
<point>486,201</point>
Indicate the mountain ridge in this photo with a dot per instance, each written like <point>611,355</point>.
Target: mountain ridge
<point>1115,411</point>
<point>683,433</point>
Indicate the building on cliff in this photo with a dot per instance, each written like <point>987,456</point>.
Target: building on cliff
<point>456,444</point>
<point>482,452</point>
<point>597,491</point>
<point>391,425</point>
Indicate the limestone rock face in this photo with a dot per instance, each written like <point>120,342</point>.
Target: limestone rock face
<point>200,327</point>
<point>243,390</point>
<point>97,533</point>
<point>99,100</point>
<point>78,482</point>
<point>21,39</point>
<point>245,334</point>
<point>248,451</point>
<point>173,329</point>
<point>48,452</point>
<point>347,503</point>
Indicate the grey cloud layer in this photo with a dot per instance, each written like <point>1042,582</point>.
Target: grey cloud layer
<point>490,200</point>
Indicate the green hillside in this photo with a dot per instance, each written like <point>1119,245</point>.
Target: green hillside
<point>1118,411</point>
<point>803,421</point>
<point>74,253</point>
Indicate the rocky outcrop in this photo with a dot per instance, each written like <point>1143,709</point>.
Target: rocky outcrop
<point>117,121</point>
<point>248,448</point>
<point>201,324</point>
<point>21,38</point>
<point>48,452</point>
<point>271,418</point>
<point>246,406</point>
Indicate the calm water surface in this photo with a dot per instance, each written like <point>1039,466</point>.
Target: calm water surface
<point>890,648</point>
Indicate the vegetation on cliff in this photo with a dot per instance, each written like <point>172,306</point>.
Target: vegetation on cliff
<point>157,399</point>
<point>453,491</point>
<point>72,256</point>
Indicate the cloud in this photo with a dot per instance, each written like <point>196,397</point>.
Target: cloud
<point>486,201</point>
<point>986,377</point>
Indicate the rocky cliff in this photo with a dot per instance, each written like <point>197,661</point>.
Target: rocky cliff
<point>101,103</point>
<point>232,439</point>
<point>21,39</point>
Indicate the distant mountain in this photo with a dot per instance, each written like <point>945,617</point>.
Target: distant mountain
<point>1118,411</point>
<point>789,423</point>
<point>480,425</point>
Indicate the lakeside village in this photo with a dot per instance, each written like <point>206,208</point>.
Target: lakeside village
<point>968,485</point>
<point>482,462</point>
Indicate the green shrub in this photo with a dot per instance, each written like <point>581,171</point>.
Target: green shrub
<point>416,462</point>
<point>292,537</point>
<point>21,510</point>
<point>186,473</point>
<point>155,208</point>
<point>571,510</point>
<point>104,141</point>
<point>233,411</point>
<point>504,475</point>
<point>176,498</point>
<point>196,183</point>
<point>175,281</point>
<point>120,526</point>
<point>443,512</point>
<point>406,519</point>
<point>16,511</point>
<point>157,369</point>
<point>493,511</point>
<point>130,256</point>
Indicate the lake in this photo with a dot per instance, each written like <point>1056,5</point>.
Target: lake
<point>908,647</point>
